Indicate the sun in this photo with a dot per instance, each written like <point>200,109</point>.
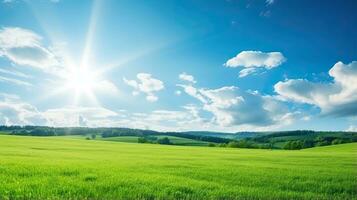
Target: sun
<point>80,79</point>
<point>81,82</point>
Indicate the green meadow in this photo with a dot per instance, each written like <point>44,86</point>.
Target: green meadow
<point>73,168</point>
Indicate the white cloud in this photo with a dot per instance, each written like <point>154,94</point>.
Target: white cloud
<point>247,71</point>
<point>15,112</point>
<point>105,86</point>
<point>146,84</point>
<point>78,116</point>
<point>14,81</point>
<point>252,60</point>
<point>164,120</point>
<point>256,59</point>
<point>151,98</point>
<point>352,128</point>
<point>169,120</point>
<point>338,98</point>
<point>186,77</point>
<point>14,73</point>
<point>232,107</point>
<point>23,47</point>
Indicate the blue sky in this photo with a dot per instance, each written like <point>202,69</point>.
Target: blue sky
<point>179,65</point>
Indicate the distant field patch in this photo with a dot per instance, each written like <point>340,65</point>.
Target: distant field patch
<point>174,140</point>
<point>131,139</point>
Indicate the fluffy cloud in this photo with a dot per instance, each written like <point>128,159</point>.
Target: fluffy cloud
<point>184,119</point>
<point>186,77</point>
<point>23,47</point>
<point>252,60</point>
<point>78,116</point>
<point>15,112</point>
<point>232,107</point>
<point>165,120</point>
<point>146,84</point>
<point>338,98</point>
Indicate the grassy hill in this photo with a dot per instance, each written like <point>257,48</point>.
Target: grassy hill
<point>134,139</point>
<point>174,140</point>
<point>69,168</point>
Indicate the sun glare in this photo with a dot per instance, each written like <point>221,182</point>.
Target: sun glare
<point>77,79</point>
<point>81,82</point>
<point>80,79</point>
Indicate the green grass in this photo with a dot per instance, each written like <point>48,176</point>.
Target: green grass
<point>67,168</point>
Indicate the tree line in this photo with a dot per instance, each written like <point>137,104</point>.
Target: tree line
<point>291,140</point>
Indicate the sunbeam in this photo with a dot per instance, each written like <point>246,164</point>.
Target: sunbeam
<point>90,33</point>
<point>135,56</point>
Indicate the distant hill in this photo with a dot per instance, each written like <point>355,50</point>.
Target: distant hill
<point>298,139</point>
<point>238,135</point>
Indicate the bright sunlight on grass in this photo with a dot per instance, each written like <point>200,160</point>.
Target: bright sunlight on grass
<point>57,168</point>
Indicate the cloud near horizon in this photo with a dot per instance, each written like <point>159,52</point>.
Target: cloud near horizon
<point>336,98</point>
<point>231,106</point>
<point>13,111</point>
<point>255,60</point>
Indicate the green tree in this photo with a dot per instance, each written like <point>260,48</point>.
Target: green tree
<point>294,145</point>
<point>233,144</point>
<point>337,141</point>
<point>222,145</point>
<point>211,144</point>
<point>322,143</point>
<point>164,140</point>
<point>142,140</point>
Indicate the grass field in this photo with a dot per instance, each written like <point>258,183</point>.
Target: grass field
<point>69,168</point>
